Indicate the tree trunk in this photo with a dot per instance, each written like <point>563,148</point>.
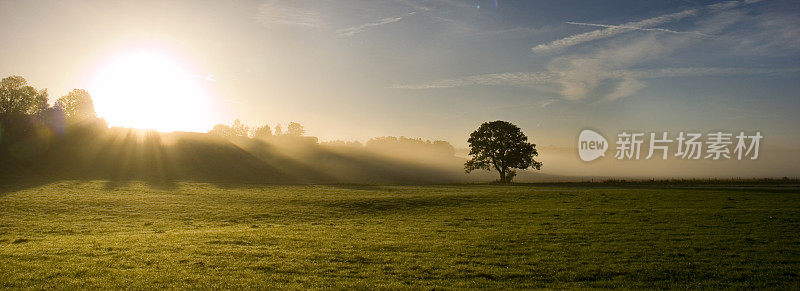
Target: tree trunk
<point>502,176</point>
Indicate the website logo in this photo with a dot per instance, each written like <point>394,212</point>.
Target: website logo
<point>591,145</point>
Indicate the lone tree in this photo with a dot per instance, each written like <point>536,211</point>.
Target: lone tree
<point>502,146</point>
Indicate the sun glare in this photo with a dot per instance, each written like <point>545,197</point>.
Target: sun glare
<point>150,91</point>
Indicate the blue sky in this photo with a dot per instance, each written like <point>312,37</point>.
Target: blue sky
<point>352,70</point>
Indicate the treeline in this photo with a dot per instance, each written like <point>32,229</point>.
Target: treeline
<point>238,129</point>
<point>28,124</point>
<point>68,141</point>
<point>403,146</point>
<point>25,111</point>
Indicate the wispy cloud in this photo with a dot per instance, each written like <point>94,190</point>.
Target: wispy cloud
<point>628,82</point>
<point>638,28</point>
<point>611,31</point>
<point>281,13</point>
<point>351,31</point>
<point>642,25</point>
<point>518,78</point>
<point>731,4</point>
<point>546,103</point>
<point>612,65</point>
<point>694,72</point>
<point>610,71</point>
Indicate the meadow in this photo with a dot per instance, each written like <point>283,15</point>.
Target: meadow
<point>98,234</point>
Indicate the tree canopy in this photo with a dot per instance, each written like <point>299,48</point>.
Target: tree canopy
<point>501,146</point>
<point>262,131</point>
<point>77,105</point>
<point>295,129</point>
<point>18,98</point>
<point>239,129</point>
<point>20,107</point>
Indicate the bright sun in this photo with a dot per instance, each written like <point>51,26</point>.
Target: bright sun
<point>150,91</point>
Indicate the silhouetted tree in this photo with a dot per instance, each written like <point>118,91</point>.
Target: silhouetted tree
<point>240,129</point>
<point>278,130</point>
<point>502,146</point>
<point>17,98</point>
<point>262,131</point>
<point>222,130</point>
<point>410,146</point>
<point>77,105</point>
<point>237,129</point>
<point>295,129</point>
<point>341,143</point>
<point>19,102</point>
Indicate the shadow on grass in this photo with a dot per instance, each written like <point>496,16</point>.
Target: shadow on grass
<point>360,187</point>
<point>157,184</point>
<point>13,185</point>
<point>368,205</point>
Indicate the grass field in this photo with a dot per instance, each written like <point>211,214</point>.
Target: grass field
<point>75,234</point>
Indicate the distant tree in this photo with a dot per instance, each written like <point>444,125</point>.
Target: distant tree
<point>295,129</point>
<point>240,129</point>
<point>278,130</point>
<point>222,130</point>
<point>341,143</point>
<point>502,146</point>
<point>444,147</point>
<point>411,146</point>
<point>262,131</point>
<point>237,129</point>
<point>77,105</point>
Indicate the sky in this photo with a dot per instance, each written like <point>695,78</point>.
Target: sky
<point>353,70</point>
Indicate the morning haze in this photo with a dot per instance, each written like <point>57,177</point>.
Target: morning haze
<point>357,70</point>
<point>404,144</point>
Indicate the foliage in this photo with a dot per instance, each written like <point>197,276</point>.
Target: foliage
<point>262,132</point>
<point>221,130</point>
<point>77,105</point>
<point>341,143</point>
<point>18,98</point>
<point>410,146</point>
<point>236,130</point>
<point>28,126</point>
<point>295,129</point>
<point>240,129</point>
<point>501,146</point>
<point>20,106</point>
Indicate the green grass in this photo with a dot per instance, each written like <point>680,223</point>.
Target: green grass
<point>75,234</point>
